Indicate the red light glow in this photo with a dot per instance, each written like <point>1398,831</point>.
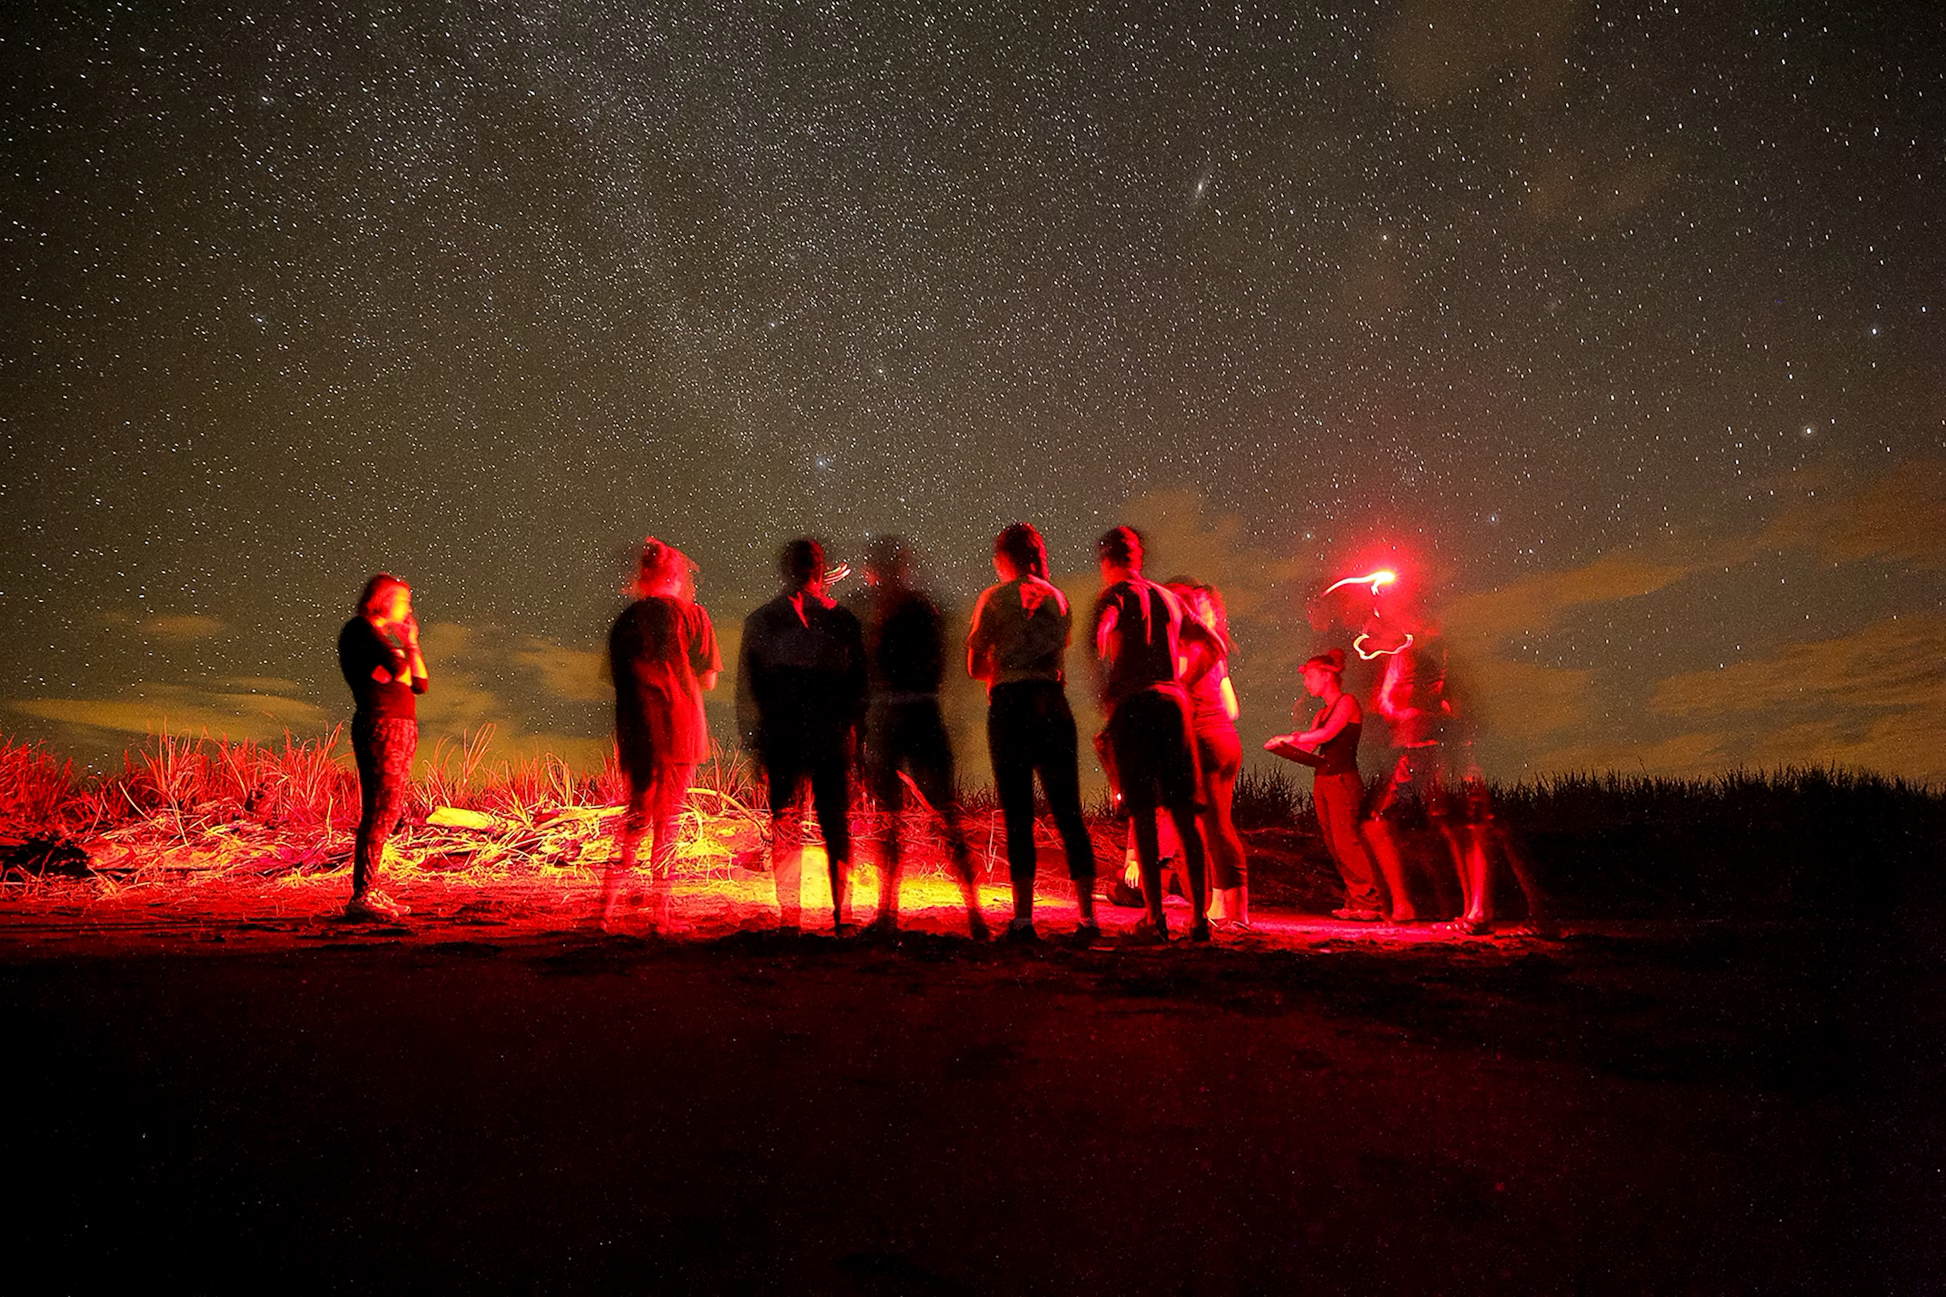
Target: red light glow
<point>1382,577</point>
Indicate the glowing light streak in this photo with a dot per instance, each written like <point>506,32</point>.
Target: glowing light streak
<point>1382,577</point>
<point>1359,646</point>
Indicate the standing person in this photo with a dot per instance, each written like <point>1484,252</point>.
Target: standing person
<point>1017,645</point>
<point>800,697</point>
<point>905,657</point>
<point>1330,747</point>
<point>1142,637</point>
<point>378,651</point>
<point>1213,715</point>
<point>662,653</point>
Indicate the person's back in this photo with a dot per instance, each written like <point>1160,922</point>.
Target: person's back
<point>804,666</point>
<point>1143,647</point>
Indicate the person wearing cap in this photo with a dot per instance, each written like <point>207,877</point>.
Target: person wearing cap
<point>800,698</point>
<point>1337,790</point>
<point>662,656</point>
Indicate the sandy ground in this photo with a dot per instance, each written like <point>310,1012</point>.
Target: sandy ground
<point>225,1086</point>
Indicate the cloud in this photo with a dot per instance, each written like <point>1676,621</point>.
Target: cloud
<point>577,675</point>
<point>182,626</point>
<point>1893,663</point>
<point>1693,754</point>
<point>1535,603</point>
<point>1898,518</point>
<point>183,709</point>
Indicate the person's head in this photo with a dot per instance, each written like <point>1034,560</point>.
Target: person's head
<point>801,563</point>
<point>888,562</point>
<point>1019,551</point>
<point>1205,603</point>
<point>661,570</point>
<point>1324,673</point>
<point>1120,552</point>
<point>385,598</point>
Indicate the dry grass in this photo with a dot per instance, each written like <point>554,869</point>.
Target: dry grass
<point>185,810</point>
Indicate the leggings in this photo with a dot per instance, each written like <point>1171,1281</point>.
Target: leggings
<point>1031,731</point>
<point>383,749</point>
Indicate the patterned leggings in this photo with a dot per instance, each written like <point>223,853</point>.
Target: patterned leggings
<point>383,749</point>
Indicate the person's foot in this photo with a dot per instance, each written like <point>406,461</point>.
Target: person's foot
<point>1200,934</point>
<point>1148,933</point>
<point>1085,936</point>
<point>1403,915</point>
<point>843,928</point>
<point>1465,927</point>
<point>375,907</point>
<point>1239,927</point>
<point>976,926</point>
<point>1355,914</point>
<point>1023,934</point>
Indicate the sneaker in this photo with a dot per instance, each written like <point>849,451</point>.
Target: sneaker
<point>1023,934</point>
<point>1351,915</point>
<point>1148,933</point>
<point>375,907</point>
<point>976,926</point>
<point>1465,927</point>
<point>1200,934</point>
<point>1232,927</point>
<point>1085,936</point>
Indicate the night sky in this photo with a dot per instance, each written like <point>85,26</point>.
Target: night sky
<point>1616,328</point>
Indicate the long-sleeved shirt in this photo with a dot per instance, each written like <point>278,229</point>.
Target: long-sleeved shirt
<point>801,671</point>
<point>379,673</point>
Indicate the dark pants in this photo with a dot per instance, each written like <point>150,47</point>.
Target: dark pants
<point>823,762</point>
<point>911,736</point>
<point>1336,799</point>
<point>1156,761</point>
<point>383,750</point>
<point>1031,731</point>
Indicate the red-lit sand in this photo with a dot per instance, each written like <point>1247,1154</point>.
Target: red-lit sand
<point>222,1085</point>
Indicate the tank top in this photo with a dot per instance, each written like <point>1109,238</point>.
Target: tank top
<point>1338,755</point>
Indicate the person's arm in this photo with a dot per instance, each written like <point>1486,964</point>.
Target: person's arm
<point>979,651</point>
<point>708,663</point>
<point>415,660</point>
<point>1230,707</point>
<point>1205,650</point>
<point>1342,713</point>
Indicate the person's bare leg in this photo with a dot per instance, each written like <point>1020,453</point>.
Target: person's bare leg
<point>891,861</point>
<point>787,864</point>
<point>1219,792</point>
<point>1385,850</point>
<point>1148,855</point>
<point>672,786</point>
<point>622,864</point>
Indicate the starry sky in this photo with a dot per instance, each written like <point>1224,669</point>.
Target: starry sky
<point>1616,328</point>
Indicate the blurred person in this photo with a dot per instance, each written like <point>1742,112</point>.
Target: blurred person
<point>1213,715</point>
<point>1330,747</point>
<point>663,656</point>
<point>1017,644</point>
<point>378,652</point>
<point>801,687</point>
<point>1146,649</point>
<point>905,657</point>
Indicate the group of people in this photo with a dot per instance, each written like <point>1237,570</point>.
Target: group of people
<point>817,678</point>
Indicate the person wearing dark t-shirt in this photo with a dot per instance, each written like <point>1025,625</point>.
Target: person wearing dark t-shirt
<point>1329,745</point>
<point>1142,637</point>
<point>378,651</point>
<point>800,697</point>
<point>905,654</point>
<point>1017,645</point>
<point>662,655</point>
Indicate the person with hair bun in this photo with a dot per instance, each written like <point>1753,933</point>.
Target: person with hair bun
<point>1018,645</point>
<point>378,652</point>
<point>662,655</point>
<point>1219,759</point>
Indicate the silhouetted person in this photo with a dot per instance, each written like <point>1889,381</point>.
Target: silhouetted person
<point>1018,645</point>
<point>800,697</point>
<point>1141,636</point>
<point>905,654</point>
<point>1213,715</point>
<point>1329,745</point>
<point>662,653</point>
<point>378,651</point>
